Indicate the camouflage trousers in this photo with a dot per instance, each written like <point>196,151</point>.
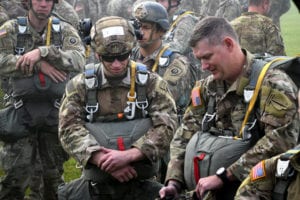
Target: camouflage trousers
<point>35,162</point>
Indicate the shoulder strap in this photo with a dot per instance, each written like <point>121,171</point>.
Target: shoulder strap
<point>21,37</point>
<point>158,57</point>
<point>255,93</point>
<point>92,82</point>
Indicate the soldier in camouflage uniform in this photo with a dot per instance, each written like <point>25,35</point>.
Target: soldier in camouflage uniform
<point>153,20</point>
<point>216,44</point>
<point>110,169</point>
<point>52,64</point>
<point>257,33</point>
<point>124,9</point>
<point>66,12</point>
<point>278,8</point>
<point>14,8</point>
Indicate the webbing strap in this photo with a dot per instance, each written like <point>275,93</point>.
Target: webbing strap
<point>132,94</point>
<point>196,161</point>
<point>256,91</point>
<point>154,67</point>
<point>174,24</point>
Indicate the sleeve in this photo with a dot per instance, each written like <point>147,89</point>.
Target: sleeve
<point>190,125</point>
<point>74,137</point>
<point>260,182</point>
<point>278,120</point>
<point>155,144</point>
<point>71,57</point>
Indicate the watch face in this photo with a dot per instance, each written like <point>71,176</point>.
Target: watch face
<point>220,171</point>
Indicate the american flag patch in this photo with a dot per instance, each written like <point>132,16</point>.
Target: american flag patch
<point>196,98</point>
<point>2,32</point>
<point>258,171</point>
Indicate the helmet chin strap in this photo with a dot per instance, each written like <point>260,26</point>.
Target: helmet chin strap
<point>150,41</point>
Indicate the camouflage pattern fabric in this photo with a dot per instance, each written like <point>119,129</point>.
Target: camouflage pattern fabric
<point>229,9</point>
<point>14,8</point>
<point>52,156</point>
<point>3,15</point>
<point>176,73</point>
<point>192,5</point>
<point>124,9</point>
<point>66,13</point>
<point>75,138</point>
<point>262,180</point>
<point>258,34</point>
<point>277,116</point>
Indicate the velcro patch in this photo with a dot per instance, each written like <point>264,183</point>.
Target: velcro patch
<point>196,97</point>
<point>258,171</point>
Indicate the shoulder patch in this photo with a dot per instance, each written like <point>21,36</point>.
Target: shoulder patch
<point>258,171</point>
<point>196,97</point>
<point>2,33</point>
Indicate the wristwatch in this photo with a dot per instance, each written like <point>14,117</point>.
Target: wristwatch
<point>222,174</point>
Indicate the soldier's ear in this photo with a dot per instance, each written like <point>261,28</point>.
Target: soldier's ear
<point>229,43</point>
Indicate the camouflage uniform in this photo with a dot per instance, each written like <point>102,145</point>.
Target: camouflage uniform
<point>258,34</point>
<point>278,123</point>
<point>229,9</point>
<point>192,5</point>
<point>66,12</point>
<point>69,58</point>
<point>262,179</point>
<point>14,8</point>
<point>112,95</point>
<point>124,9</point>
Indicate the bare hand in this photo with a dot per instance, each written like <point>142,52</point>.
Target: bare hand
<point>113,159</point>
<point>26,62</point>
<point>55,74</point>
<point>169,191</point>
<point>206,184</point>
<point>125,174</point>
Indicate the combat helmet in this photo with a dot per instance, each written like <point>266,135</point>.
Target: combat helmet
<point>152,12</point>
<point>112,35</point>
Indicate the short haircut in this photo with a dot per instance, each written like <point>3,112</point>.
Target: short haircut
<point>214,29</point>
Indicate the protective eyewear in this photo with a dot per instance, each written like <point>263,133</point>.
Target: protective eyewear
<point>117,57</point>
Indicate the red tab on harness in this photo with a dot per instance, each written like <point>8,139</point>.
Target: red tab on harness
<point>42,79</point>
<point>196,166</point>
<point>120,143</point>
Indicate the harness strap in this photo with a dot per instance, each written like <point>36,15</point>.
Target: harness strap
<point>255,94</point>
<point>154,67</point>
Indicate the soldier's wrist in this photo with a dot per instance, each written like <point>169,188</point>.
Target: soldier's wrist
<point>175,184</point>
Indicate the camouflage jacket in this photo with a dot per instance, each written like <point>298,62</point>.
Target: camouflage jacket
<point>229,9</point>
<point>258,34</point>
<point>262,179</point>
<point>173,69</point>
<point>77,140</point>
<point>276,114</point>
<point>67,13</point>
<point>70,57</point>
<point>3,15</point>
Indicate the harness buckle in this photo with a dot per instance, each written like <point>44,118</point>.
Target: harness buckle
<point>91,109</point>
<point>129,111</point>
<point>19,50</point>
<point>283,169</point>
<point>247,129</point>
<point>56,104</point>
<point>18,104</point>
<point>206,120</point>
<point>142,105</point>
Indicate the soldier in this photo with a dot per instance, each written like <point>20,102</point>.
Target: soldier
<point>219,111</point>
<point>159,58</point>
<point>124,9</point>
<point>277,9</point>
<point>38,54</point>
<point>274,178</point>
<point>127,97</point>
<point>66,12</point>
<point>257,33</point>
<point>14,8</point>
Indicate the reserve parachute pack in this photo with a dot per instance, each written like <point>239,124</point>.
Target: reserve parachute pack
<point>33,100</point>
<point>121,130</point>
<point>206,151</point>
